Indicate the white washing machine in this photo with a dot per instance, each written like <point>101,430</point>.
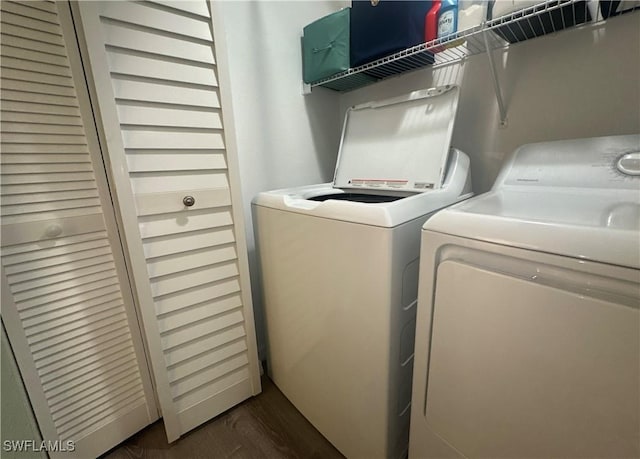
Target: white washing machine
<point>528,328</point>
<point>339,265</point>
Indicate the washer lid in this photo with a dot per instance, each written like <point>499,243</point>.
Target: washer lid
<point>398,144</point>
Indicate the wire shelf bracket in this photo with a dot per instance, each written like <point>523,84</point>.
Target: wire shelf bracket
<point>494,78</point>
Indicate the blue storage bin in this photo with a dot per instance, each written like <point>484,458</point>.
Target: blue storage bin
<point>380,28</point>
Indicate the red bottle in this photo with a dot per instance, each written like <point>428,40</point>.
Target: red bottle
<point>431,21</point>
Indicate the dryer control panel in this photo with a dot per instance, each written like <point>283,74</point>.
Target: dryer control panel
<point>602,162</point>
<point>629,163</point>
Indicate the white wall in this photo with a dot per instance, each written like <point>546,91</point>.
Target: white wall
<point>577,83</point>
<point>283,138</point>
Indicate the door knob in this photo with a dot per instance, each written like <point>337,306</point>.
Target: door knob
<point>188,201</point>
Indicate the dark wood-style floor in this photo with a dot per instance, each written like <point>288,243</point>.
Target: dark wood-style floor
<point>265,426</point>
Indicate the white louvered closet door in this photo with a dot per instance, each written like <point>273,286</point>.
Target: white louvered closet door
<point>156,77</point>
<point>66,301</point>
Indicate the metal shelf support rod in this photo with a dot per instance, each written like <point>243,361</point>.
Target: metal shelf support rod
<point>494,77</point>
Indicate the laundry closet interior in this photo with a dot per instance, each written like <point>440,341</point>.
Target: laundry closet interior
<point>150,271</point>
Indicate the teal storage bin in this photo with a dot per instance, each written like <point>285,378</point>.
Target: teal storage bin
<point>325,46</point>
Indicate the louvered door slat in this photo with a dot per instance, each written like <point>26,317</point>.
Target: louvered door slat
<point>41,127</point>
<point>206,376</point>
<point>60,264</point>
<point>158,20</point>
<point>73,335</point>
<point>164,285</point>
<point>127,375</point>
<point>175,244</point>
<point>174,303</point>
<point>207,360</point>
<point>26,19</point>
<point>96,352</point>
<point>66,213</point>
<point>8,107</point>
<point>54,204</point>
<point>81,386</point>
<point>28,148</point>
<point>122,36</point>
<point>19,179</point>
<point>78,318</point>
<point>39,118</point>
<point>114,413</point>
<point>197,313</point>
<point>77,412</point>
<point>90,371</point>
<point>76,328</point>
<point>105,300</point>
<point>39,159</point>
<point>120,403</point>
<point>21,189</point>
<point>62,298</point>
<point>46,282</point>
<point>58,390</point>
<point>197,8</point>
<point>104,345</point>
<point>37,203</point>
<point>91,293</point>
<point>43,5</point>
<point>34,56</point>
<point>27,11</point>
<point>199,329</point>
<point>90,356</point>
<point>44,197</point>
<point>169,117</point>
<point>22,75</point>
<point>165,181</point>
<point>68,375</point>
<point>145,67</point>
<point>33,66</point>
<point>192,350</point>
<point>157,74</point>
<point>65,267</point>
<point>36,138</point>
<point>171,161</point>
<point>69,319</point>
<point>162,93</point>
<point>232,382</point>
<point>189,260</point>
<point>33,45</point>
<point>158,139</point>
<point>166,224</point>
<point>9,28</point>
<point>64,249</point>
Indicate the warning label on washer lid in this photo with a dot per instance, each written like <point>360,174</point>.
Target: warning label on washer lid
<point>393,183</point>
<point>424,185</point>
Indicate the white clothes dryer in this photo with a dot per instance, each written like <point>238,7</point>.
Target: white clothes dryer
<point>339,265</point>
<point>528,325</point>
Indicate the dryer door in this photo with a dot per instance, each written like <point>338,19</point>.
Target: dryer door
<point>534,367</point>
